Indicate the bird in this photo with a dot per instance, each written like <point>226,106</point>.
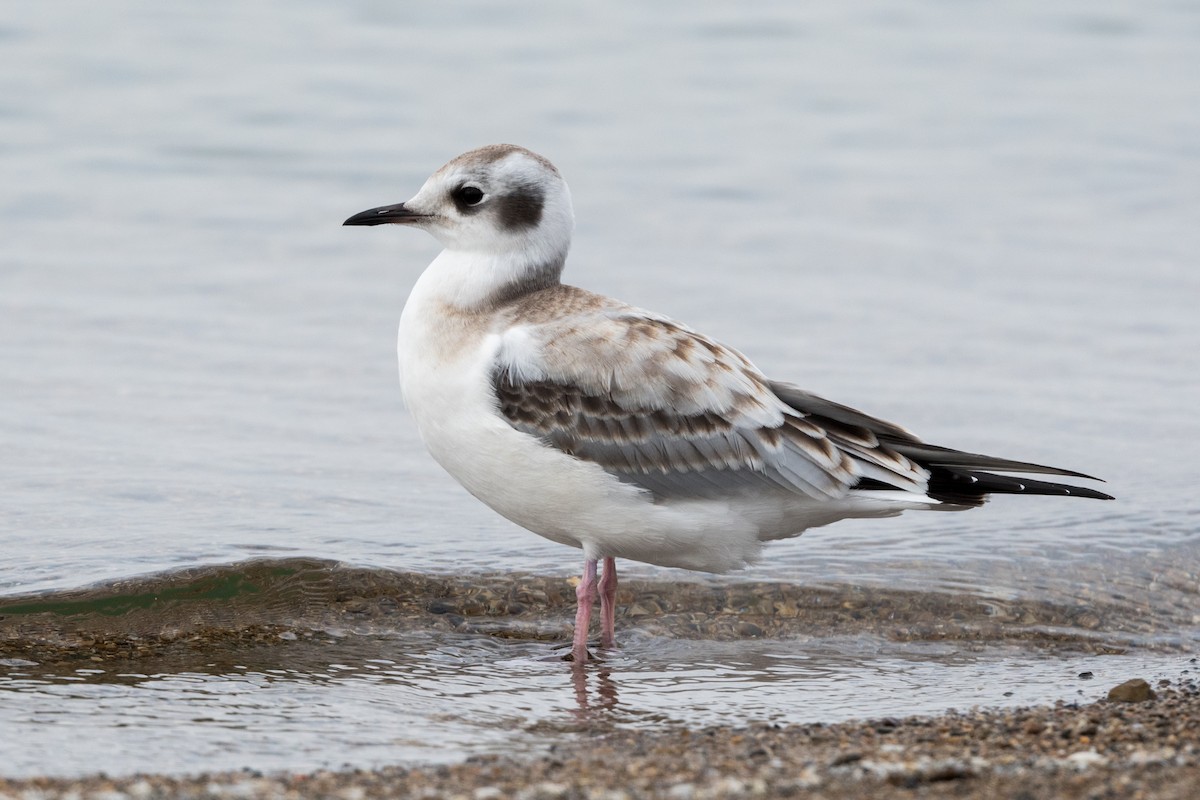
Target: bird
<point>620,431</point>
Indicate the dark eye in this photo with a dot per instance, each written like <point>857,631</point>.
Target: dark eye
<point>469,195</point>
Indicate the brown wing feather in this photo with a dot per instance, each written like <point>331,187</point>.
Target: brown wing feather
<point>668,409</point>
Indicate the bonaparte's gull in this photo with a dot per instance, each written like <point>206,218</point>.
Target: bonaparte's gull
<point>621,431</point>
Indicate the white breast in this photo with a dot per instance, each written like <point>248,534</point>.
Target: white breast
<point>446,359</point>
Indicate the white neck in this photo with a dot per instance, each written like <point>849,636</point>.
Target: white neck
<point>472,281</point>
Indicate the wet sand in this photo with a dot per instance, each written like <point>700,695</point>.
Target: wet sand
<point>266,599</point>
<point>1145,746</point>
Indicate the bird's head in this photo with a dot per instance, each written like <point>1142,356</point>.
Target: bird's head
<point>500,199</point>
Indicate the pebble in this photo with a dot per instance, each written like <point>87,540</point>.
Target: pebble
<point>1086,758</point>
<point>1131,691</point>
<point>546,790</point>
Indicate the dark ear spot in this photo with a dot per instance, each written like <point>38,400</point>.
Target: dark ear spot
<point>521,208</point>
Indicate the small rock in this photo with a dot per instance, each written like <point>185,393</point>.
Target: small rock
<point>748,629</point>
<point>1084,727</point>
<point>548,790</point>
<point>140,789</point>
<point>1132,691</point>
<point>1140,758</point>
<point>1086,676</point>
<point>608,794</point>
<point>946,771</point>
<point>729,786</point>
<point>681,791</point>
<point>1085,759</point>
<point>807,779</point>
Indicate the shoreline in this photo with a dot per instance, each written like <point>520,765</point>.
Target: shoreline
<point>1147,745</point>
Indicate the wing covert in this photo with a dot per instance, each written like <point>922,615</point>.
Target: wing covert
<point>665,408</point>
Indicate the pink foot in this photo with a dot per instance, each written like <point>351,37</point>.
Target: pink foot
<point>585,595</point>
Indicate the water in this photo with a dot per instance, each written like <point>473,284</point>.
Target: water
<point>979,222</point>
<point>298,663</point>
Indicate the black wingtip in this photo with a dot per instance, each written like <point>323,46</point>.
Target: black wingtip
<point>970,487</point>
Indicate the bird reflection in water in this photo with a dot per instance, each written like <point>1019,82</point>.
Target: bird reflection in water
<point>603,696</point>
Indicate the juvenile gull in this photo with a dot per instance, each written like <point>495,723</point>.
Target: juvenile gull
<point>620,431</point>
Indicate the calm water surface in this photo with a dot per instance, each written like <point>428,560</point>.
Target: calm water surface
<point>979,222</point>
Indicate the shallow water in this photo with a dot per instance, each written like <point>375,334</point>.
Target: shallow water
<point>979,222</point>
<point>419,699</point>
<point>295,664</point>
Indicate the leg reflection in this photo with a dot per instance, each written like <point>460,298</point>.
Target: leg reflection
<point>604,692</point>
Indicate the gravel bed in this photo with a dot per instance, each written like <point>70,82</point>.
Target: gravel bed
<point>1143,742</point>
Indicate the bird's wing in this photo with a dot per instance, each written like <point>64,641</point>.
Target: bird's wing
<point>955,476</point>
<point>674,412</point>
<point>824,411</point>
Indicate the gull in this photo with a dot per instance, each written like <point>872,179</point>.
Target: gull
<point>620,431</point>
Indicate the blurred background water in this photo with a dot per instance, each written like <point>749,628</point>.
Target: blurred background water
<point>977,220</point>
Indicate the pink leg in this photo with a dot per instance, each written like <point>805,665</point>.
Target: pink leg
<point>585,595</point>
<point>608,603</point>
